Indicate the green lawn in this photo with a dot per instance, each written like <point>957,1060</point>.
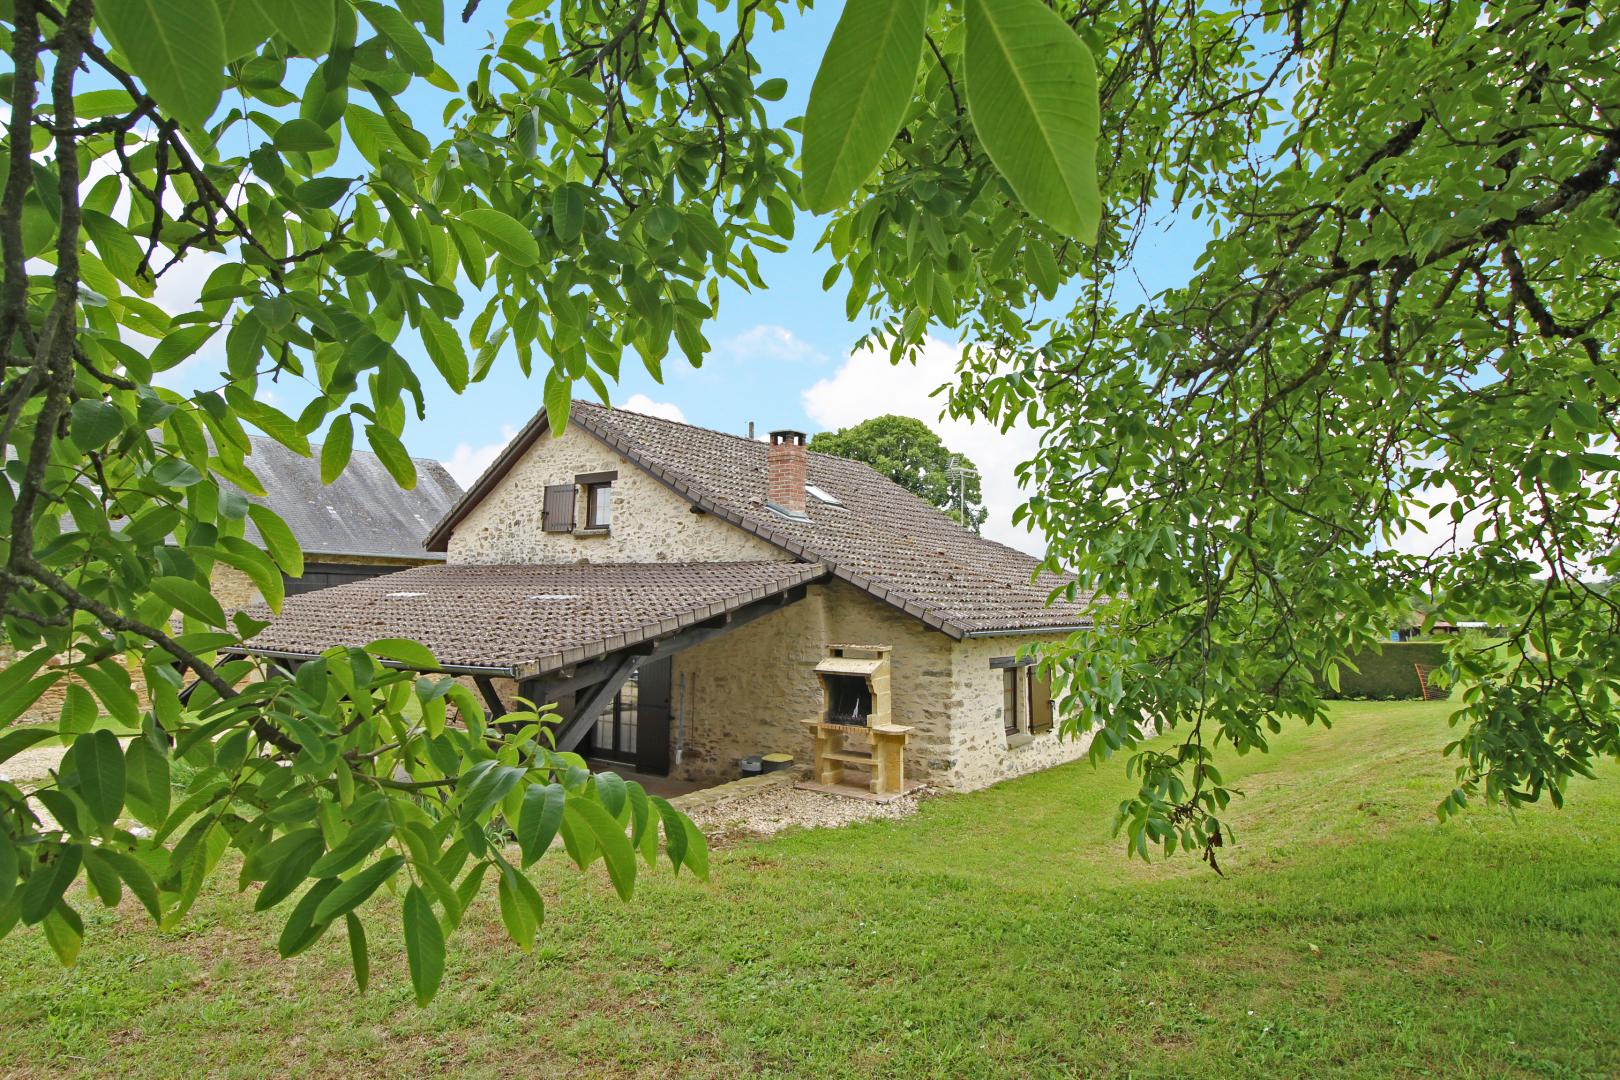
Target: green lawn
<point>1000,933</point>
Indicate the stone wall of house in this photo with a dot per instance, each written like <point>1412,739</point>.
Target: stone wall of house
<point>745,692</point>
<point>982,752</point>
<point>233,589</point>
<point>650,522</point>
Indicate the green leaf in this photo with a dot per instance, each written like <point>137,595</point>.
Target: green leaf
<point>99,761</point>
<point>1031,88</point>
<point>118,250</point>
<point>175,472</point>
<point>146,776</point>
<point>337,449</point>
<point>506,233</point>
<point>8,868</point>
<point>136,877</point>
<point>308,24</point>
<point>176,50</point>
<point>78,713</point>
<point>1561,473</point>
<point>301,930</point>
<point>359,955</point>
<point>354,891</point>
<point>15,742</point>
<point>611,790</point>
<point>411,654</point>
<point>527,133</point>
<point>542,814</point>
<point>568,212</point>
<point>697,849</point>
<point>18,687</point>
<point>285,862</point>
<point>179,344</point>
<point>278,540</point>
<point>445,348</point>
<point>47,883</point>
<point>424,945</point>
<point>93,423</point>
<point>323,191</point>
<point>409,45</point>
<point>558,400</point>
<point>247,26</point>
<point>386,445</point>
<point>674,831</point>
<point>522,910</point>
<point>299,134</point>
<point>266,575</point>
<point>191,598</point>
<point>616,850</point>
<point>64,932</point>
<point>101,878</point>
<point>353,848</point>
<point>860,96</point>
<point>484,785</point>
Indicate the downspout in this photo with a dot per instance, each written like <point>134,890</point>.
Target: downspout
<point>680,719</point>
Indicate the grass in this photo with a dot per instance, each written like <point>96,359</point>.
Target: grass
<point>994,934</point>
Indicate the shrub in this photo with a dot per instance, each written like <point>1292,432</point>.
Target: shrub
<point>1390,673</point>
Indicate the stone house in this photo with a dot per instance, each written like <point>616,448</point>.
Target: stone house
<point>690,598</point>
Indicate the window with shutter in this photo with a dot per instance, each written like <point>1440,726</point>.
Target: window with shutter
<point>558,513</point>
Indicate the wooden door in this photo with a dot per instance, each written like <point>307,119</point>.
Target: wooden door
<point>652,740</point>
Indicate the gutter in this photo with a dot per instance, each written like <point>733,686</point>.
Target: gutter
<point>447,669</point>
<point>1022,632</point>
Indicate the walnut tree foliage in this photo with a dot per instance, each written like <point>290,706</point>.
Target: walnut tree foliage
<point>1406,314</point>
<point>908,452</point>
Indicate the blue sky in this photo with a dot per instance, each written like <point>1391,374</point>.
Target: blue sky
<point>781,356</point>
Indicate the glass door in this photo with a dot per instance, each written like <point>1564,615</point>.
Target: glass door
<point>618,723</point>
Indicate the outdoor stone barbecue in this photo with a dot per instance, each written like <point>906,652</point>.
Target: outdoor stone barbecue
<point>855,700</point>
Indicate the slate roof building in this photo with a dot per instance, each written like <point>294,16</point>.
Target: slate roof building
<point>689,598</point>
<point>357,527</point>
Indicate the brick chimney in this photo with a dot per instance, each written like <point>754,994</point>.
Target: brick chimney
<point>785,472</point>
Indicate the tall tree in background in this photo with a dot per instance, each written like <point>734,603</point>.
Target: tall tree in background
<point>908,452</point>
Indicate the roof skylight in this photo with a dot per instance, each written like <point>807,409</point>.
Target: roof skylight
<point>822,495</point>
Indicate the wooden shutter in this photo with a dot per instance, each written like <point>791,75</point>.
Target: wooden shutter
<point>558,513</point>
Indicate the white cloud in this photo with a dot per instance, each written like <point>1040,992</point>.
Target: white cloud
<point>467,462</point>
<point>766,342</point>
<point>868,385</point>
<point>646,406</point>
<point>1435,536</point>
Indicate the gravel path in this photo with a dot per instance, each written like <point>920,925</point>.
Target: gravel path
<point>783,808</point>
<point>35,763</point>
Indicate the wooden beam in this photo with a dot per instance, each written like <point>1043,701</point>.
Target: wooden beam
<point>572,731</point>
<point>486,687</point>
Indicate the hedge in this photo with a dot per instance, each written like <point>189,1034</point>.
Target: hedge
<point>1389,673</point>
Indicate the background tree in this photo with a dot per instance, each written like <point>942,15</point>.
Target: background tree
<point>908,452</point>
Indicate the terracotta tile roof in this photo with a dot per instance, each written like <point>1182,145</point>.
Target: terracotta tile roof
<point>361,513</point>
<point>883,539</point>
<point>523,620</point>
